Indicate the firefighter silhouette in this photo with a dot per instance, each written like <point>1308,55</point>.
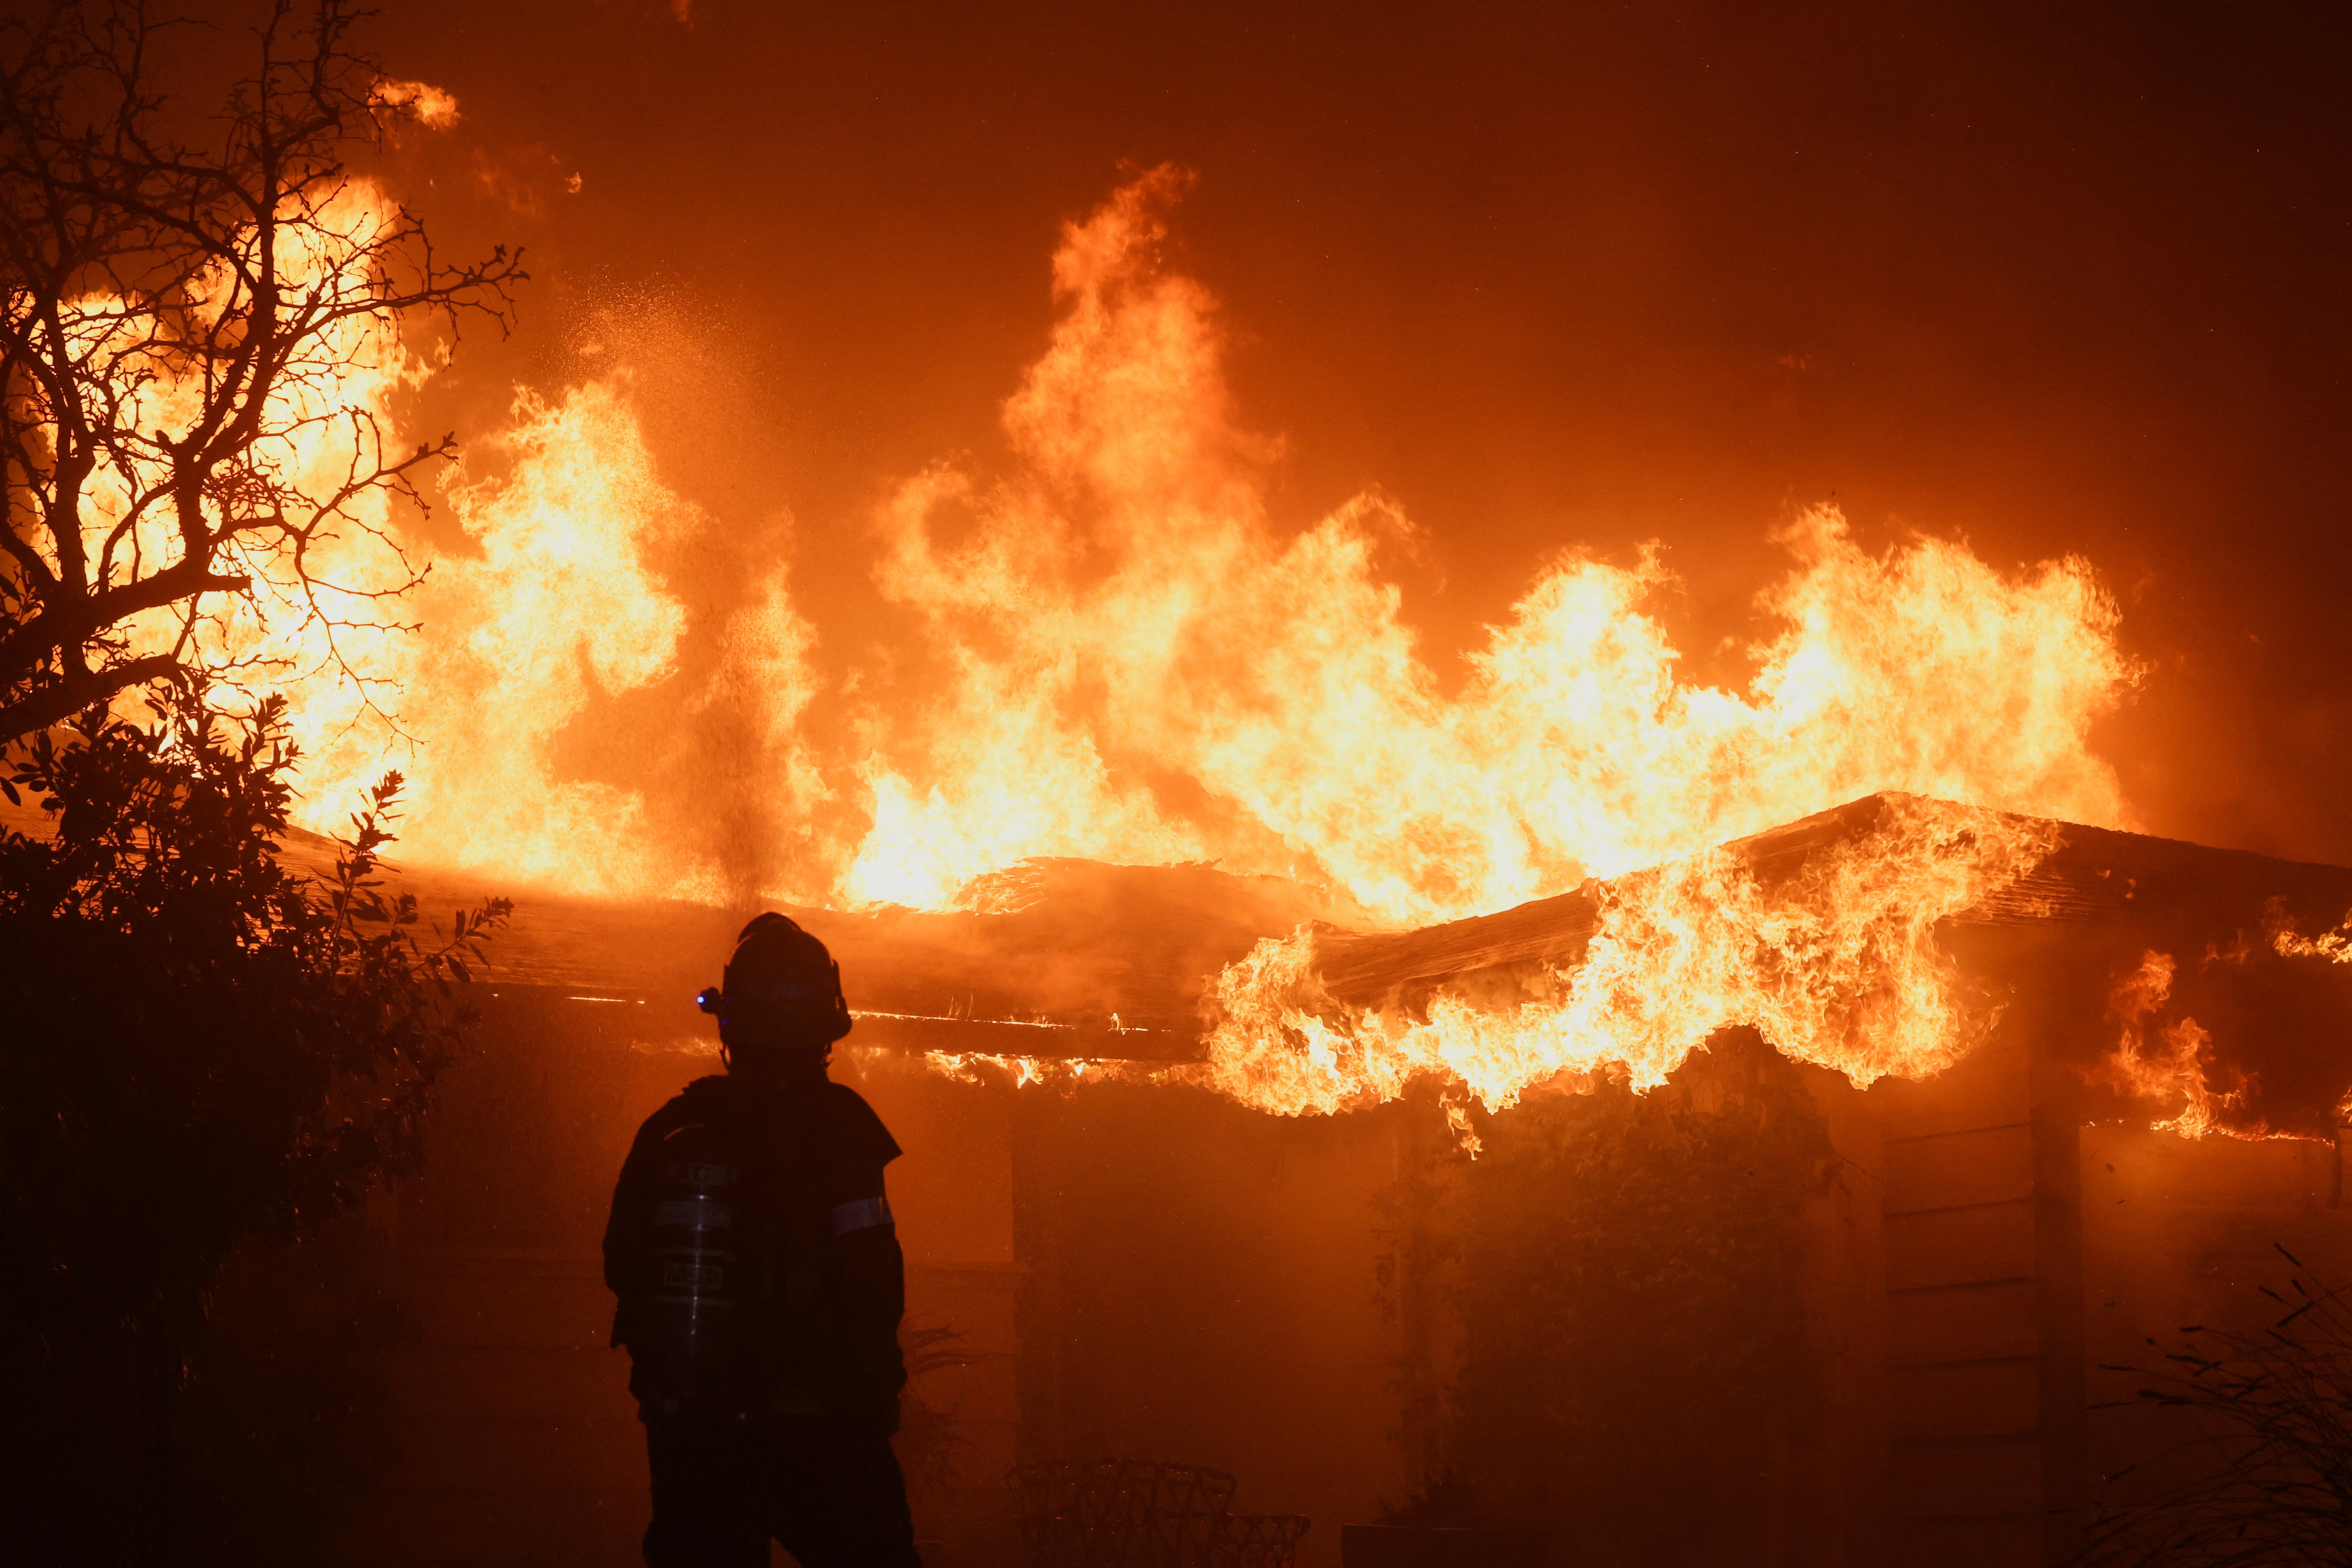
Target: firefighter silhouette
<point>760,1286</point>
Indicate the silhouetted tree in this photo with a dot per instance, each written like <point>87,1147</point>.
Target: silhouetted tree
<point>203,1046</point>
<point>179,325</point>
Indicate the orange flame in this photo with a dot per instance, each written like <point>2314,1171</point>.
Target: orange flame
<point>2336,946</point>
<point>562,604</point>
<point>1122,610</point>
<point>1113,651</point>
<point>1838,967</point>
<point>329,412</point>
<point>2172,1070</point>
<point>434,108</point>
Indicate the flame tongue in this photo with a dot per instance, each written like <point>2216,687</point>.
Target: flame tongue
<point>1121,657</point>
<point>2165,1063</point>
<point>1833,960</point>
<point>1120,617</point>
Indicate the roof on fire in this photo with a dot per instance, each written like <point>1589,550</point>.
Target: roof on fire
<point>2095,875</point>
<point>1077,958</point>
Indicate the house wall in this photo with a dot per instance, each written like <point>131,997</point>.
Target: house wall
<point>2028,1249</point>
<point>1202,1286</point>
<point>1156,1273</point>
<point>1982,1314</point>
<point>519,1442</point>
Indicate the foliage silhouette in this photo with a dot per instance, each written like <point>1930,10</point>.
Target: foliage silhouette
<point>289,1412</point>
<point>203,1045</point>
<point>929,1438</point>
<point>2265,1475</point>
<point>1625,1273</point>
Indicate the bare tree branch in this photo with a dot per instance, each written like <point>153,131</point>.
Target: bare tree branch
<point>60,701</point>
<point>181,330</point>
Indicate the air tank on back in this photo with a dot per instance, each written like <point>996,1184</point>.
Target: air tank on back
<point>697,1330</point>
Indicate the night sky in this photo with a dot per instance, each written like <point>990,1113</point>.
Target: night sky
<point>2053,280</point>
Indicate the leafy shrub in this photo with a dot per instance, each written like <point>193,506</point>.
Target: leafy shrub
<point>1627,1290</point>
<point>203,1045</point>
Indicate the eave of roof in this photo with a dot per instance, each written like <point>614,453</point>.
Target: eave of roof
<point>1106,961</point>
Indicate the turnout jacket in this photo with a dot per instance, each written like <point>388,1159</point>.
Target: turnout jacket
<point>834,1284</point>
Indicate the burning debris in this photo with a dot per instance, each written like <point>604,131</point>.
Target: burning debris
<point>1856,940</point>
<point>1823,940</point>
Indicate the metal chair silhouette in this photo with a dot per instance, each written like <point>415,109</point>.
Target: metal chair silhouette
<point>1135,1513</point>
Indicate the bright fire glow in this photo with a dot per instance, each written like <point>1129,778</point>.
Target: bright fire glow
<point>2336,946</point>
<point>563,606</point>
<point>2163,1063</point>
<point>1121,608</point>
<point>435,108</point>
<point>329,642</point>
<point>1112,649</point>
<point>1838,966</point>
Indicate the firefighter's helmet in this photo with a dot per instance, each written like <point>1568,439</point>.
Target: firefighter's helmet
<point>781,988</point>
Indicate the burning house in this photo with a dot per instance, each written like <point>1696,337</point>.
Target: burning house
<point>1166,1227</point>
<point>1433,1060</point>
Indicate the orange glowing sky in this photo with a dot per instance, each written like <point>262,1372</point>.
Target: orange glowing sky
<point>1546,276</point>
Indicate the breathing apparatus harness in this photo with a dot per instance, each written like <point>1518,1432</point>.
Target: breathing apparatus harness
<point>730,1249</point>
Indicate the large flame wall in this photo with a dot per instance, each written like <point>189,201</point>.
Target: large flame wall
<point>1111,650</point>
<point>1109,646</point>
